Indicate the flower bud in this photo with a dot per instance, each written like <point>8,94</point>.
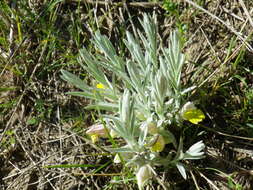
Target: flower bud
<point>97,129</point>
<point>150,125</point>
<point>117,159</point>
<point>143,174</point>
<point>140,115</point>
<point>152,128</point>
<point>196,150</point>
<point>124,155</point>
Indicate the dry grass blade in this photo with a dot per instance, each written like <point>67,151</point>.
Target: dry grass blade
<point>239,35</point>
<point>232,56</point>
<point>96,174</point>
<point>212,48</point>
<point>143,4</point>
<point>208,180</point>
<point>195,181</point>
<point>227,135</point>
<point>246,12</point>
<point>14,112</point>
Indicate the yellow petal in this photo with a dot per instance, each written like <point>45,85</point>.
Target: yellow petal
<point>94,138</point>
<point>194,116</point>
<point>100,85</point>
<point>159,145</point>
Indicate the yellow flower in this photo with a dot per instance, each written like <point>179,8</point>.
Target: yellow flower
<point>100,86</point>
<point>94,138</point>
<point>194,116</point>
<point>159,144</point>
<point>191,113</point>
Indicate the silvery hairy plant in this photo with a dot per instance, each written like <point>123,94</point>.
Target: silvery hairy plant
<point>143,96</point>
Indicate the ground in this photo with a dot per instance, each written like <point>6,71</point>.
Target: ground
<point>43,144</point>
